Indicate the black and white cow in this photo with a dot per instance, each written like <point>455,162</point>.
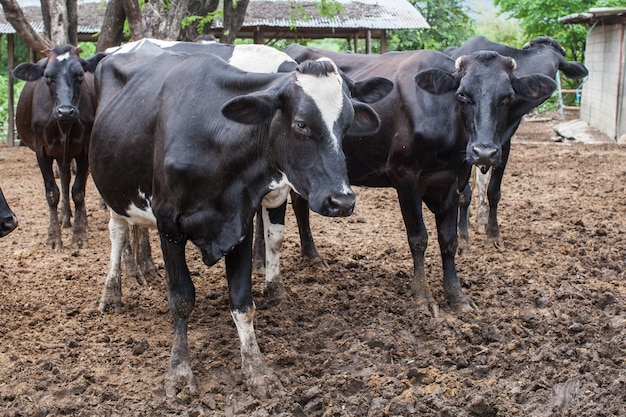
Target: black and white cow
<point>263,59</point>
<point>442,117</point>
<point>8,219</point>
<point>200,144</point>
<point>54,117</point>
<point>542,55</point>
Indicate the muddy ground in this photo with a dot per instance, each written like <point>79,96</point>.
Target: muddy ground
<point>549,339</point>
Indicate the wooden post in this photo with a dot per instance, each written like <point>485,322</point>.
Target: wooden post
<point>10,59</point>
<point>383,41</point>
<point>368,41</point>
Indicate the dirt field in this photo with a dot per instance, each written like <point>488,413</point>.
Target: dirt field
<point>549,339</point>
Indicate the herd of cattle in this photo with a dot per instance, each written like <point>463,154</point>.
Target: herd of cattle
<point>195,139</point>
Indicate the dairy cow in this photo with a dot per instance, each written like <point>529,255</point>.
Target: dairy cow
<point>54,117</point>
<point>541,55</point>
<point>200,144</point>
<point>442,117</point>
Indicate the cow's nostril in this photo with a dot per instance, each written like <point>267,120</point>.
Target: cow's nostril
<point>340,205</point>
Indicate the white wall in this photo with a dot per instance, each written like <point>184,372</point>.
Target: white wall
<point>601,101</point>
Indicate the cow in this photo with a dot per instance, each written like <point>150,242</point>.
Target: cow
<point>442,117</point>
<point>541,55</point>
<point>253,58</point>
<point>200,144</point>
<point>8,219</point>
<point>54,118</point>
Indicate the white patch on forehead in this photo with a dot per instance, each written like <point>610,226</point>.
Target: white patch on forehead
<point>327,93</point>
<point>63,57</point>
<point>258,58</point>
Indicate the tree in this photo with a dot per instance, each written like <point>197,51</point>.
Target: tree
<point>541,17</point>
<point>450,25</point>
<point>15,16</point>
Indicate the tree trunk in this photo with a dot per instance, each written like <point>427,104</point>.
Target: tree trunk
<point>72,22</point>
<point>233,19</point>
<point>59,24</point>
<point>15,17</point>
<point>175,15</point>
<point>133,15</point>
<point>152,19</point>
<point>112,31</point>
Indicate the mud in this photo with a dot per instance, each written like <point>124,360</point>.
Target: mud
<point>549,338</point>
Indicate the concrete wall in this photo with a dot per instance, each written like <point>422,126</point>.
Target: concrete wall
<point>603,99</point>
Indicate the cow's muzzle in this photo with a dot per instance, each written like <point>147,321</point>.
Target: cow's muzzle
<point>484,154</point>
<point>7,225</point>
<point>66,113</point>
<point>333,204</point>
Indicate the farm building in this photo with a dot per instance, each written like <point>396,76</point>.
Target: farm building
<point>266,20</point>
<point>603,102</point>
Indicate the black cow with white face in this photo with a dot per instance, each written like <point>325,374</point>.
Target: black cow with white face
<point>542,55</point>
<point>8,219</point>
<point>442,117</point>
<point>54,117</point>
<point>200,143</point>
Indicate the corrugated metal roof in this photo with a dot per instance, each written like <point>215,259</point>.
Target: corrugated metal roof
<point>605,14</point>
<point>364,14</point>
<point>357,14</point>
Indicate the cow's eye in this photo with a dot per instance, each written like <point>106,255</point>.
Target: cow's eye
<point>462,97</point>
<point>300,127</point>
<point>506,100</point>
<point>48,78</point>
<point>79,78</point>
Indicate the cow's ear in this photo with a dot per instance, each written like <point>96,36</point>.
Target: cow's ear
<point>28,71</point>
<point>252,108</point>
<point>366,121</point>
<point>573,70</point>
<point>90,64</point>
<point>436,81</point>
<point>535,87</point>
<point>372,90</point>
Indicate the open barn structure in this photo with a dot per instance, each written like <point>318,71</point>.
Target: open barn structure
<point>266,21</point>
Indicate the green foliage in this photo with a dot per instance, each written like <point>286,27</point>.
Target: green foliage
<point>450,25</point>
<point>498,29</point>
<point>540,17</point>
<point>202,21</point>
<point>327,8</point>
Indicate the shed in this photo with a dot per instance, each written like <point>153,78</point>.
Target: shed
<point>265,20</point>
<point>603,101</point>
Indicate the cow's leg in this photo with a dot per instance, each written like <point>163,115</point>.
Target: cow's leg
<point>258,249</point>
<point>182,298</point>
<point>446,219</point>
<point>52,196</point>
<point>65,176</point>
<point>112,293</point>
<point>137,256</point>
<point>481,187</point>
<point>494,195</point>
<point>79,232</point>
<point>144,256</point>
<point>465,198</point>
<point>274,232</point>
<point>259,377</point>
<point>307,245</point>
<point>411,207</point>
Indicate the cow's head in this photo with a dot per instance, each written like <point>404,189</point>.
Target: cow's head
<point>485,86</point>
<point>308,117</point>
<point>571,69</point>
<point>8,220</point>
<point>63,70</point>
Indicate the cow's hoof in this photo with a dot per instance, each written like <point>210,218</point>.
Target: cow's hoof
<point>497,242</point>
<point>54,245</point>
<point>107,304</point>
<point>265,384</point>
<point>462,304</point>
<point>80,243</point>
<point>274,293</point>
<point>463,247</point>
<point>179,379</point>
